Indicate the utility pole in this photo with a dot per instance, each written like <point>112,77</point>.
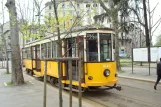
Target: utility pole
<point>146,32</point>
<point>141,64</point>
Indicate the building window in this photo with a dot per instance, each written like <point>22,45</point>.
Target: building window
<point>94,5</point>
<point>77,5</point>
<point>70,5</point>
<point>9,37</point>
<point>71,21</point>
<point>49,7</point>
<point>63,13</point>
<point>49,14</point>
<point>71,13</point>
<point>63,5</point>
<point>87,5</point>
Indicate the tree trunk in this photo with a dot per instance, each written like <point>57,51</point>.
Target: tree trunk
<point>17,75</point>
<point>116,28</point>
<point>58,54</point>
<point>117,58</point>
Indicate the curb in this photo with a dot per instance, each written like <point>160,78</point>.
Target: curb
<point>139,79</point>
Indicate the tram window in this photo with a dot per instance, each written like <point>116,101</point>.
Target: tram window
<point>33,53</point>
<point>24,53</point>
<point>54,50</point>
<point>92,47</point>
<point>105,47</point>
<point>72,47</point>
<point>38,51</point>
<point>43,51</point>
<point>29,53</point>
<point>49,50</point>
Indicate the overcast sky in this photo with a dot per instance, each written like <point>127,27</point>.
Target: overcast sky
<point>24,3</point>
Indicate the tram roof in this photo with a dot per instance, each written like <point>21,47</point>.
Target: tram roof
<point>74,30</point>
<point>78,29</point>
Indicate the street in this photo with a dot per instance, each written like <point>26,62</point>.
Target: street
<point>134,94</point>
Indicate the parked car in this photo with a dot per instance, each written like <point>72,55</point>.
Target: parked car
<point>122,55</point>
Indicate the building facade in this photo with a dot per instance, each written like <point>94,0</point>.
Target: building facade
<point>83,11</point>
<point>7,36</point>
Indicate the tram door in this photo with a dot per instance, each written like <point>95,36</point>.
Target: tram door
<point>72,52</point>
<point>36,62</point>
<point>92,47</point>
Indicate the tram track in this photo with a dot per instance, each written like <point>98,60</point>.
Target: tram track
<point>107,98</point>
<point>87,101</point>
<point>117,100</point>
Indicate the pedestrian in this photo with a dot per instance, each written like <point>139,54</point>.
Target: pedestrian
<point>158,74</point>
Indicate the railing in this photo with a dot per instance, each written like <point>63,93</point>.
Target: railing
<point>69,59</point>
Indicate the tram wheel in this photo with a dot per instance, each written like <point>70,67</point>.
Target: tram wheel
<point>31,73</point>
<point>56,82</point>
<point>52,81</point>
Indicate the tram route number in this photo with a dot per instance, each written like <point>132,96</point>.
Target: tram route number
<point>105,66</point>
<point>91,36</point>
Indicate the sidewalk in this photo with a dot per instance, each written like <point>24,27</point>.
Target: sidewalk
<point>139,73</point>
<point>31,95</point>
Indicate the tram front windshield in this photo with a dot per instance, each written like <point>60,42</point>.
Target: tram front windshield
<point>99,48</point>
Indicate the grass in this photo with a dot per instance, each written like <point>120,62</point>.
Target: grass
<point>11,84</point>
<point>121,72</point>
<point>128,62</point>
<point>6,73</point>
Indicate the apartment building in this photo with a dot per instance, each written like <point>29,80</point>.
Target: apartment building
<point>84,9</point>
<point>84,12</point>
<point>7,36</point>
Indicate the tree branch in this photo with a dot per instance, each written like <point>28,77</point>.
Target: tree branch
<point>158,21</point>
<point>156,27</point>
<point>136,13</point>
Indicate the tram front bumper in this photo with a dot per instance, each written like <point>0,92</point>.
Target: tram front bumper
<point>117,87</point>
<point>97,84</point>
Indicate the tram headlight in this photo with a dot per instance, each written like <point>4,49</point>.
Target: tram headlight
<point>106,73</point>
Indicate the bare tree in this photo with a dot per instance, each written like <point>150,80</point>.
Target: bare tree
<point>112,12</point>
<point>152,26</point>
<point>17,75</point>
<point>4,39</point>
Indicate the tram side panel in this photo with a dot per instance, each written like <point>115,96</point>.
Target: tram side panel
<point>52,68</point>
<point>28,63</point>
<point>94,74</point>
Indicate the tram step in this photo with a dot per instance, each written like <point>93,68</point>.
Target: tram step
<point>37,76</point>
<point>75,90</point>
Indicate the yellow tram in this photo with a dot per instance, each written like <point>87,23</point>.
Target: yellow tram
<point>99,66</point>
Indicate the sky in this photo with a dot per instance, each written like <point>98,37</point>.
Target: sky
<point>24,3</point>
<point>157,16</point>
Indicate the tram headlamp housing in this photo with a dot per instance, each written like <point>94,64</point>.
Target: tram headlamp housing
<point>106,73</point>
<point>90,78</point>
